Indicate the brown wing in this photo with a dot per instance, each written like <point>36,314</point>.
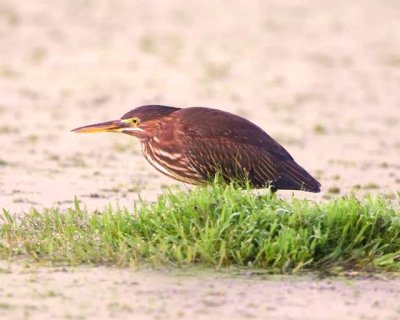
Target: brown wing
<point>217,141</point>
<point>233,161</point>
<point>216,124</point>
<point>240,162</point>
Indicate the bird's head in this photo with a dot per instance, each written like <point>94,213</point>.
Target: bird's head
<point>140,122</point>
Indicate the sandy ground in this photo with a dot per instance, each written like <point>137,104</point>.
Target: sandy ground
<point>105,293</point>
<point>322,77</point>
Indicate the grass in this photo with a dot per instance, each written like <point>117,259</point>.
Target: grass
<point>215,226</point>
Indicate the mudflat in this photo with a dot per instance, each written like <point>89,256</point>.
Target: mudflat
<point>107,293</point>
<point>321,77</point>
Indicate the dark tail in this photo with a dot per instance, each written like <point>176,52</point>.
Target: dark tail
<point>295,177</point>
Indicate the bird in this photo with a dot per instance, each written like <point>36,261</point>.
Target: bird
<point>195,145</point>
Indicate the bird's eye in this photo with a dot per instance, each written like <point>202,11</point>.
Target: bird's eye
<point>135,121</point>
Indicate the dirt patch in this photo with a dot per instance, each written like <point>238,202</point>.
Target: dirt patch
<point>322,77</point>
<point>31,292</point>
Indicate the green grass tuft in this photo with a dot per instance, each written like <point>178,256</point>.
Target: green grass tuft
<point>215,226</point>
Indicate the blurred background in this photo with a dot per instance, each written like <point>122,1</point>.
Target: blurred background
<point>321,77</point>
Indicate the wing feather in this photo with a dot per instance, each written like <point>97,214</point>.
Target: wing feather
<point>220,142</point>
<point>233,161</point>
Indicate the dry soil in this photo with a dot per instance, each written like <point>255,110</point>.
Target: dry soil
<point>322,77</point>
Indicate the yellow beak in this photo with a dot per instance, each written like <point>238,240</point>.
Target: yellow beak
<point>109,126</point>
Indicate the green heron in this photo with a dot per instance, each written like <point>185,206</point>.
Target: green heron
<point>196,144</point>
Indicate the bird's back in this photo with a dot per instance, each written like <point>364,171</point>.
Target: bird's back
<point>216,124</point>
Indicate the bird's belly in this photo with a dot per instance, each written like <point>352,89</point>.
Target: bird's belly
<point>173,165</point>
